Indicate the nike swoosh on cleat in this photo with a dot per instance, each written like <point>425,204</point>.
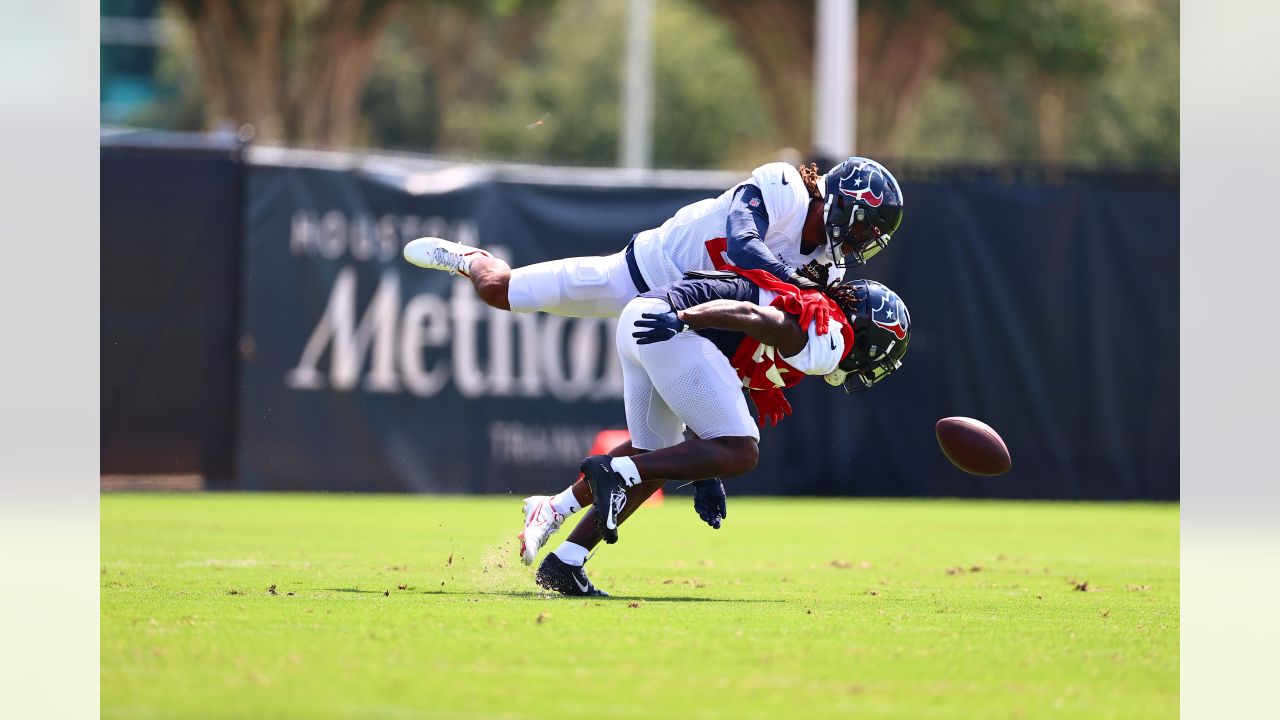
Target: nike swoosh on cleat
<point>617,501</point>
<point>583,588</point>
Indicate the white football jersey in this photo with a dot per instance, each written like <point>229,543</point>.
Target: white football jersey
<point>694,238</point>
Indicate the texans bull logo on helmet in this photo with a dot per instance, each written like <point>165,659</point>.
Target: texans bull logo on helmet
<point>892,317</point>
<point>865,183</point>
<point>863,210</point>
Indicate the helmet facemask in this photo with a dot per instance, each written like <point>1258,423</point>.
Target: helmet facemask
<point>867,238</point>
<point>878,347</point>
<point>862,208</point>
<point>855,378</point>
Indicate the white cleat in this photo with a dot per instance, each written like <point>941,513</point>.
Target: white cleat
<point>436,254</point>
<point>541,521</point>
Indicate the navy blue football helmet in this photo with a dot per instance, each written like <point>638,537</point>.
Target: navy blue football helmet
<point>863,206</point>
<point>881,331</point>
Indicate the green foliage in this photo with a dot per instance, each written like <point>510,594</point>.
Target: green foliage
<point>709,109</point>
<point>1130,116</point>
<point>949,127</point>
<point>179,104</point>
<point>573,80</point>
<point>707,105</point>
<point>342,606</point>
<point>1084,82</point>
<point>1065,38</point>
<point>398,109</point>
<point>1114,65</point>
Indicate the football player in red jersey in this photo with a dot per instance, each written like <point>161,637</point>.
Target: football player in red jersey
<point>687,352</point>
<point>781,218</point>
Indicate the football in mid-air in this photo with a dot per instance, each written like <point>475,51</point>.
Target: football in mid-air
<point>973,446</point>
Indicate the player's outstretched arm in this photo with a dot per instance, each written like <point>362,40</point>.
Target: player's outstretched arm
<point>769,325</point>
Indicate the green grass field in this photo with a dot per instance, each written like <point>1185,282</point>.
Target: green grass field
<point>417,607</point>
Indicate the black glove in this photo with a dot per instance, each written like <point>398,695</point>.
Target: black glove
<point>709,501</point>
<point>802,282</point>
<point>662,326</point>
<point>823,272</point>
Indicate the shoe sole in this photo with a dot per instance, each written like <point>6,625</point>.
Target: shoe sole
<point>526,557</point>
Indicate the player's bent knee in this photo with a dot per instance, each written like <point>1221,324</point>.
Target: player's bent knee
<point>740,456</point>
<point>492,289</point>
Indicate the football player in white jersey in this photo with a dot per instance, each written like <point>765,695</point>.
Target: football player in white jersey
<point>780,219</point>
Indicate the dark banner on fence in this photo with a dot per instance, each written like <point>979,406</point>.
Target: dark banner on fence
<point>365,373</point>
<point>1048,311</point>
<point>170,242</point>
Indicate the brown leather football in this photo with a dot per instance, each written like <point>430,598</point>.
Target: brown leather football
<point>973,446</point>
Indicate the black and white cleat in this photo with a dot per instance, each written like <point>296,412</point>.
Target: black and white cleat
<point>559,576</point>
<point>609,492</point>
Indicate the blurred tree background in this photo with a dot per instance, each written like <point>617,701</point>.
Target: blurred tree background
<point>1082,83</point>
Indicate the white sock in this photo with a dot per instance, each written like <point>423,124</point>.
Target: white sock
<point>626,467</point>
<point>571,553</point>
<point>565,503</point>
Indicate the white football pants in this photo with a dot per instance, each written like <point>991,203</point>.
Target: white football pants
<point>682,381</point>
<point>573,287</point>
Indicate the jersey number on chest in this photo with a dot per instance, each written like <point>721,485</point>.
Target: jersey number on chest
<point>716,249</point>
